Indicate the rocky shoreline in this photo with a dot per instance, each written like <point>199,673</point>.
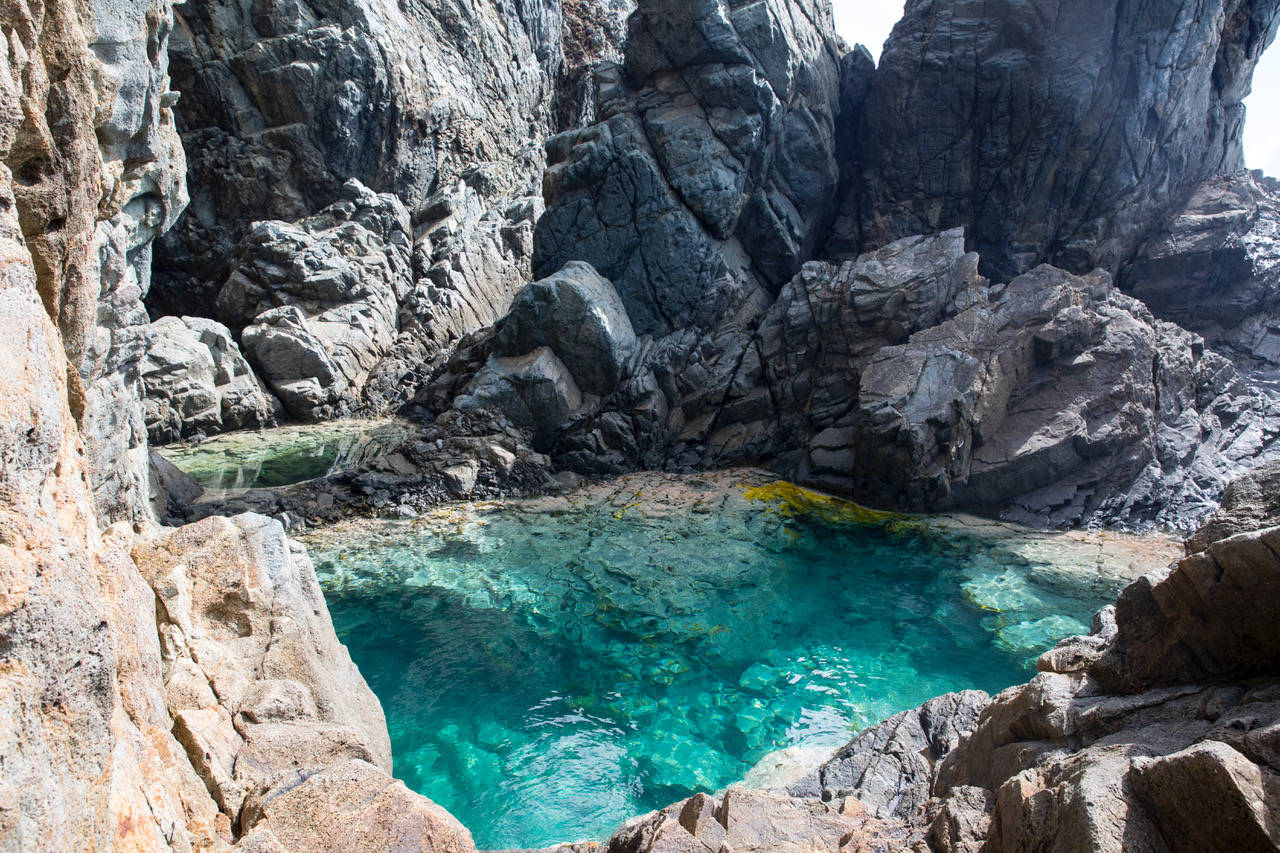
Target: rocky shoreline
<point>570,246</point>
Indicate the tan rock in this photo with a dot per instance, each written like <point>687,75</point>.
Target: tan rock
<point>352,806</point>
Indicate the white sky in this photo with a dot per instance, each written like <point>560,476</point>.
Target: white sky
<point>869,22</point>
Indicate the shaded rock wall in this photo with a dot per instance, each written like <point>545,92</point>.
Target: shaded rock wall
<point>711,170</point>
<point>285,103</point>
<point>1214,269</point>
<point>1056,132</point>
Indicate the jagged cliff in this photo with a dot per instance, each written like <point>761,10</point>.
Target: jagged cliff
<point>754,246</point>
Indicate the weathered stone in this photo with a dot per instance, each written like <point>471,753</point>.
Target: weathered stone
<point>197,382</point>
<point>1215,269</point>
<point>742,820</point>
<point>242,603</point>
<point>353,806</point>
<point>579,316</point>
<point>1061,400</point>
<point>319,299</point>
<point>1054,132</point>
<point>535,391</point>
<point>283,103</point>
<point>711,170</point>
<point>1250,503</point>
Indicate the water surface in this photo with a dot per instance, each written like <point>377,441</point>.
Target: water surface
<point>286,455</point>
<point>550,668</point>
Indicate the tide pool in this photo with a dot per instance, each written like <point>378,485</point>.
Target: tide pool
<point>550,668</point>
<point>285,455</point>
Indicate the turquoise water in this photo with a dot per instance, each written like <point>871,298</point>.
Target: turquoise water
<point>548,671</point>
<point>287,455</point>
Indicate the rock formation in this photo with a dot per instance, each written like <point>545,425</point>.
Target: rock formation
<point>366,209</point>
<point>711,170</point>
<point>1214,268</point>
<point>903,378</point>
<point>317,302</point>
<point>1056,132</point>
<point>284,104</point>
<point>197,382</point>
<point>96,173</point>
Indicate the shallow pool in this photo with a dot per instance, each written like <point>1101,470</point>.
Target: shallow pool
<point>550,668</point>
<point>285,455</point>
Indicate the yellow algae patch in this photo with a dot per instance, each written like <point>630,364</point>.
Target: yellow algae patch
<point>793,501</point>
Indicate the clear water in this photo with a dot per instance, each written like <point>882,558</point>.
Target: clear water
<point>281,457</point>
<point>549,670</point>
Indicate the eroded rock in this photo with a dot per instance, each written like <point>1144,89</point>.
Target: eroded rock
<point>198,382</point>
<point>1056,133</point>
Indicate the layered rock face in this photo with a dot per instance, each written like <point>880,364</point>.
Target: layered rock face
<point>317,302</point>
<point>1056,132</point>
<point>284,104</point>
<point>96,173</point>
<point>443,106</point>
<point>1214,269</point>
<point>711,169</point>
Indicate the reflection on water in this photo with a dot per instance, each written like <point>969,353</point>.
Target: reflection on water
<point>549,669</point>
<point>280,457</point>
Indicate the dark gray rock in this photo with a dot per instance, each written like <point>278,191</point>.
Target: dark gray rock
<point>284,102</point>
<point>711,172</point>
<point>318,300</point>
<point>579,316</point>
<point>1215,269</point>
<point>535,391</point>
<point>890,767</point>
<point>1058,399</point>
<point>1055,132</point>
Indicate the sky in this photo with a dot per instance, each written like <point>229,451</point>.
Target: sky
<point>869,22</point>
